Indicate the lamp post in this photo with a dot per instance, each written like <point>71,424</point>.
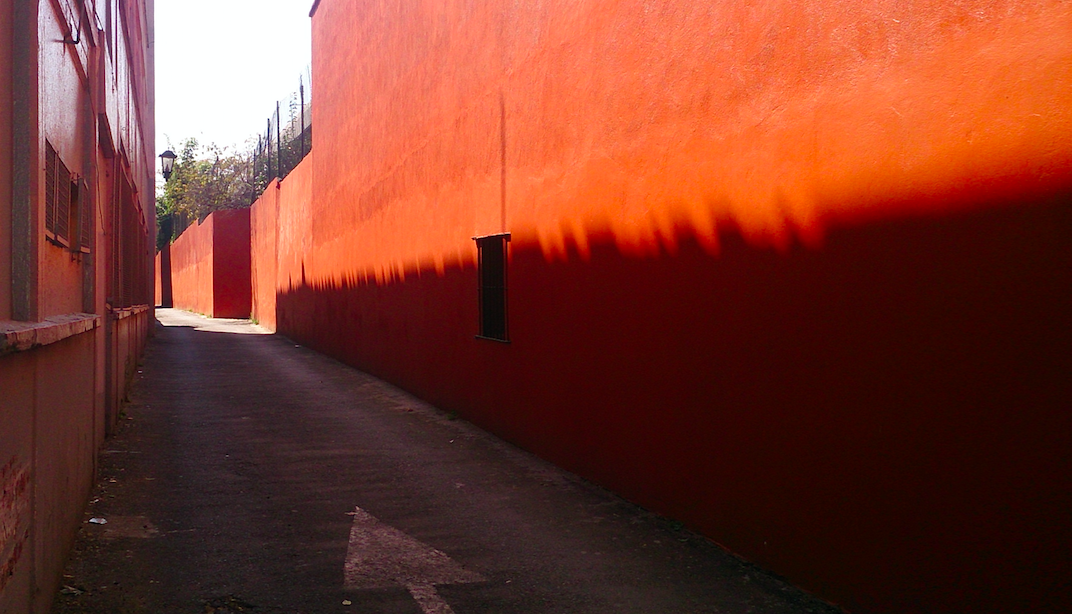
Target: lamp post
<point>167,163</point>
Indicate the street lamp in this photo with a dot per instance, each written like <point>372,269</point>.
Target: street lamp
<point>167,163</point>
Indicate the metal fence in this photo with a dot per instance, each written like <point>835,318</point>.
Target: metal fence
<point>288,136</point>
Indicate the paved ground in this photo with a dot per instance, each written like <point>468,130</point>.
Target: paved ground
<point>252,475</point>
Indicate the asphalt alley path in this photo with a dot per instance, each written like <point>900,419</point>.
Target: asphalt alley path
<point>252,475</point>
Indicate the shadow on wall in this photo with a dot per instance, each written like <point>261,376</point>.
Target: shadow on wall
<point>884,419</point>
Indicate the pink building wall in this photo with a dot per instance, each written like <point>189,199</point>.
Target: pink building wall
<point>74,317</point>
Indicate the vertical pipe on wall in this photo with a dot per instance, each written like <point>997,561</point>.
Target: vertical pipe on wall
<point>24,239</point>
<point>24,236</point>
<point>111,347</point>
<point>253,174</point>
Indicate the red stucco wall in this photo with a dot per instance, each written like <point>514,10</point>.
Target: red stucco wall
<point>231,289</point>
<point>210,266</point>
<point>797,274</point>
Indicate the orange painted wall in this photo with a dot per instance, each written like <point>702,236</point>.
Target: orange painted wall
<point>264,215</point>
<point>797,274</point>
<point>281,238</point>
<point>210,266</point>
<point>192,268</point>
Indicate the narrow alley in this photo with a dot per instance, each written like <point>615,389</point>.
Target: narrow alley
<point>254,475</point>
<point>768,303</point>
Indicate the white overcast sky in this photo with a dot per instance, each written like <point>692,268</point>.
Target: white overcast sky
<point>222,64</point>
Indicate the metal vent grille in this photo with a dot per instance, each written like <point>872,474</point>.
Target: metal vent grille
<point>63,203</point>
<point>50,188</point>
<point>85,212</point>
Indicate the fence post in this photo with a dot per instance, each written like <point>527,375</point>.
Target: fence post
<point>268,149</point>
<point>253,174</point>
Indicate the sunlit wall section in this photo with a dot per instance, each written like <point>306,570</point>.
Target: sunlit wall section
<point>795,273</point>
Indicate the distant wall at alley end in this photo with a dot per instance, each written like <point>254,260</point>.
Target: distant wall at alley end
<point>210,266</point>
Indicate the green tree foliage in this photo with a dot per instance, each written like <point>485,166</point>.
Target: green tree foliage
<point>205,178</point>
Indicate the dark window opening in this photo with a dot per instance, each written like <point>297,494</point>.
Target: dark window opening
<point>491,271</point>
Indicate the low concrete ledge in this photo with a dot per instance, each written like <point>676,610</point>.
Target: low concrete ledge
<point>22,336</point>
<point>126,312</point>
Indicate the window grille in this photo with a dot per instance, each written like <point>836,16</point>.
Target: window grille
<point>50,188</point>
<point>63,203</point>
<point>85,216</point>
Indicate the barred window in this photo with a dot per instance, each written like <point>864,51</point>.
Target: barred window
<point>491,271</point>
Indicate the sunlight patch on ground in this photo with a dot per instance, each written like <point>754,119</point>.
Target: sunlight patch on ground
<point>196,321</point>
